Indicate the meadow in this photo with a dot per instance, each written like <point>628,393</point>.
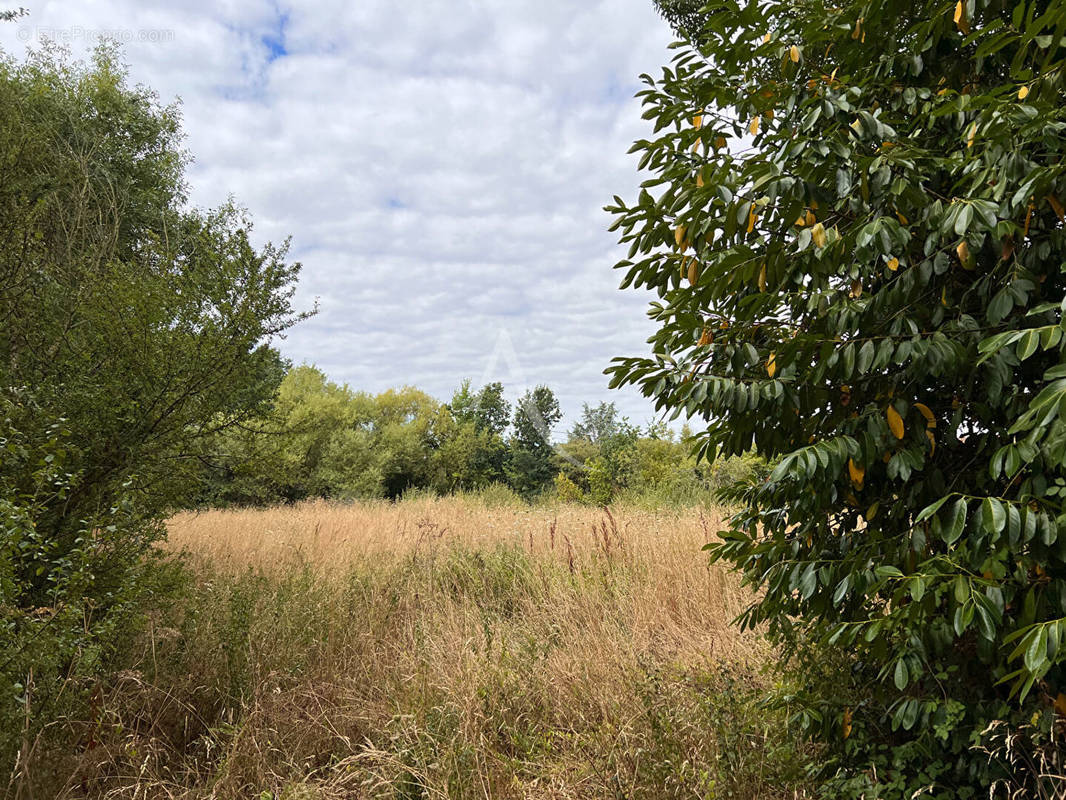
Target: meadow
<point>438,648</point>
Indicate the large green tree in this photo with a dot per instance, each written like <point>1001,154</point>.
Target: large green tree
<point>529,464</point>
<point>854,223</point>
<point>133,329</point>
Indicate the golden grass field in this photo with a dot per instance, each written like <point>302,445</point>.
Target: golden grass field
<point>443,648</point>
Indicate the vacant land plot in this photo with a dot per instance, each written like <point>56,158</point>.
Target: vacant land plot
<point>441,648</point>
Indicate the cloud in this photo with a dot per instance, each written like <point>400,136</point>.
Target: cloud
<point>441,167</point>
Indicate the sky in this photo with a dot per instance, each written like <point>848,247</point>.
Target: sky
<point>441,167</point>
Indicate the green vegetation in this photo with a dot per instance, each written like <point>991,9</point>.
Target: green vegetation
<point>324,440</point>
<point>132,333</point>
<point>872,295</point>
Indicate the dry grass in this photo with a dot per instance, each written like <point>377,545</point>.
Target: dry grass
<point>439,648</point>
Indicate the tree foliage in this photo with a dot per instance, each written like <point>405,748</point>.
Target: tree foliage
<point>132,330</point>
<point>854,223</point>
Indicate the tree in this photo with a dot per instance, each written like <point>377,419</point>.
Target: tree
<point>597,423</point>
<point>854,225</point>
<point>133,329</point>
<point>529,467</point>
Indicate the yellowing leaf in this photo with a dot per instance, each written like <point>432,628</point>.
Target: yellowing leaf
<point>794,54</point>
<point>771,365</point>
<point>762,278</point>
<point>1023,93</point>
<point>855,34</point>
<point>719,143</point>
<point>751,218</point>
<point>766,38</point>
<point>754,127</point>
<point>964,254</point>
<point>932,442</point>
<point>944,297</point>
<point>895,422</point>
<point>857,126</point>
<point>801,220</point>
<point>856,288</point>
<point>679,235</point>
<point>697,121</point>
<point>818,234</point>
<point>857,473</point>
<point>699,180</point>
<point>972,134</point>
<point>893,264</point>
<point>693,271</point>
<point>706,337</point>
<point>925,411</point>
<point>902,219</point>
<point>960,18</point>
<point>1057,207</point>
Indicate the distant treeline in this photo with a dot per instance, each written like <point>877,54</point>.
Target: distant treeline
<point>322,439</point>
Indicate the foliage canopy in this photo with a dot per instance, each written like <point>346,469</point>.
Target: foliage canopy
<point>854,223</point>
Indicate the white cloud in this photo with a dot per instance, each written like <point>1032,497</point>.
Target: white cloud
<point>440,165</point>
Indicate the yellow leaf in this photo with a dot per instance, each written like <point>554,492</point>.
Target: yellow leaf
<point>693,271</point>
<point>944,297</point>
<point>794,54</point>
<point>699,180</point>
<point>1057,206</point>
<point>893,264</point>
<point>679,236</point>
<point>902,219</point>
<point>762,278</point>
<point>801,220</point>
<point>1023,93</point>
<point>751,218</point>
<point>706,337</point>
<point>719,143</point>
<point>857,473</point>
<point>856,288</point>
<point>810,217</point>
<point>766,38</point>
<point>697,121</point>
<point>895,422</point>
<point>754,127</point>
<point>973,132</point>
<point>771,365</point>
<point>964,254</point>
<point>960,18</point>
<point>857,126</point>
<point>925,411</point>
<point>932,442</point>
<point>855,34</point>
<point>818,235</point>
<point>695,147</point>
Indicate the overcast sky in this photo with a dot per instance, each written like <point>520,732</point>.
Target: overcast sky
<point>441,166</point>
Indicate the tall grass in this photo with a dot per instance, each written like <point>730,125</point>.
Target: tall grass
<point>436,648</point>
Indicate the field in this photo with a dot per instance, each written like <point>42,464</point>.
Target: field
<point>439,648</point>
